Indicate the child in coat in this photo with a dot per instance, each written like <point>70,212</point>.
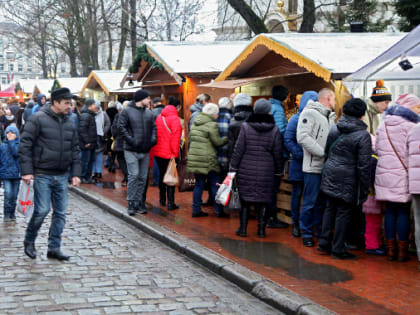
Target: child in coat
<point>10,171</point>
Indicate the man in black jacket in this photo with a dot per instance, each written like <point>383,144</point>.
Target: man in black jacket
<point>138,129</point>
<point>48,147</point>
<point>87,139</point>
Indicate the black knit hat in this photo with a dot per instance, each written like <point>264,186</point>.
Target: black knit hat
<point>279,92</point>
<point>380,93</point>
<point>355,107</point>
<point>140,95</point>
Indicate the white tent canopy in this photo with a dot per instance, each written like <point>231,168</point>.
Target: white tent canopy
<point>386,67</point>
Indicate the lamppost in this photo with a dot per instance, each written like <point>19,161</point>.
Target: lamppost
<point>10,56</point>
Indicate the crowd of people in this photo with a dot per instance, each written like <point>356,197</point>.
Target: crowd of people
<point>355,180</point>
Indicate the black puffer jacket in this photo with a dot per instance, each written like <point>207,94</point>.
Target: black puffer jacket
<point>137,127</point>
<point>118,139</point>
<point>49,145</point>
<point>87,129</point>
<point>346,173</point>
<point>258,158</point>
<point>240,114</point>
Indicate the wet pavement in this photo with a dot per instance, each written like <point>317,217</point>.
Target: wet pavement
<point>114,269</point>
<point>368,285</point>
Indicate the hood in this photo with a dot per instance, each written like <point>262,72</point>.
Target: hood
<point>306,97</point>
<point>318,107</point>
<point>196,107</point>
<point>169,110</point>
<point>203,118</point>
<point>40,96</point>
<point>12,128</point>
<point>407,114</point>
<point>261,122</point>
<point>348,124</point>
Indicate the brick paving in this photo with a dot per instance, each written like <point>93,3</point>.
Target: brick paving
<point>368,285</point>
<point>114,269</point>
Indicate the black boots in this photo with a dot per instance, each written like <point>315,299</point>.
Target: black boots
<point>57,254</point>
<point>296,230</point>
<point>171,198</point>
<point>30,250</point>
<point>243,221</point>
<point>131,207</point>
<point>140,207</point>
<point>162,195</point>
<point>261,216</point>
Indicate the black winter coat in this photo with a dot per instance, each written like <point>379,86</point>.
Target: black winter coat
<point>49,145</point>
<point>87,129</point>
<point>137,127</point>
<point>240,114</point>
<point>118,139</point>
<point>346,173</point>
<point>257,158</point>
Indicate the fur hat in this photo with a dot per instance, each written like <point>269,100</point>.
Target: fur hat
<point>380,93</point>
<point>140,95</point>
<point>225,102</point>
<point>262,106</point>
<point>408,100</point>
<point>355,107</point>
<point>242,99</point>
<point>211,109</point>
<point>279,92</point>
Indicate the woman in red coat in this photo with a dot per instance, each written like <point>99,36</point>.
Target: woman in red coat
<point>169,132</point>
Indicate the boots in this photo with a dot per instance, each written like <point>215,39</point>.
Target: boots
<point>162,195</point>
<point>141,207</point>
<point>243,221</point>
<point>171,198</point>
<point>391,250</point>
<point>261,213</point>
<point>131,207</point>
<point>30,250</point>
<point>403,251</point>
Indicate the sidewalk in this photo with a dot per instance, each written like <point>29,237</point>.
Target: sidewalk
<point>368,285</point>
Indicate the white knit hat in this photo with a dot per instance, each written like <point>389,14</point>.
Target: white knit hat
<point>211,109</point>
<point>242,99</point>
<point>225,102</point>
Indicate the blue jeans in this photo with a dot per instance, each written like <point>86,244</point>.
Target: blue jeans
<point>200,183</point>
<point>87,159</point>
<point>312,208</point>
<point>138,169</point>
<point>397,220</point>
<point>11,190</point>
<point>155,172</point>
<point>297,191</point>
<point>49,190</point>
<point>97,164</point>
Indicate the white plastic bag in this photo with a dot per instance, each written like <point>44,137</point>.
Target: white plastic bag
<point>224,191</point>
<point>171,175</point>
<point>25,203</point>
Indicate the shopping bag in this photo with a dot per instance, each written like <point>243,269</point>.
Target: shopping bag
<point>186,179</point>
<point>171,175</point>
<point>25,204</point>
<point>224,191</point>
<point>234,204</point>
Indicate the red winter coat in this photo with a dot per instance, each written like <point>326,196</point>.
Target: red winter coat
<point>168,142</point>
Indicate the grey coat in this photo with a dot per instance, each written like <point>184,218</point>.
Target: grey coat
<point>315,122</point>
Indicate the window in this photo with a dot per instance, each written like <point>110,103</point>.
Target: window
<point>3,80</point>
<point>20,67</point>
<point>29,68</point>
<point>1,55</point>
<point>1,66</point>
<point>11,67</point>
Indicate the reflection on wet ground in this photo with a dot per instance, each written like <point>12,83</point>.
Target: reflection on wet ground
<point>280,256</point>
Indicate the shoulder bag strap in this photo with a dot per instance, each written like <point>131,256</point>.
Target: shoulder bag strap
<point>166,125</point>
<point>393,148</point>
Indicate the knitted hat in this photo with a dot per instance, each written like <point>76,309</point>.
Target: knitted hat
<point>157,100</point>
<point>242,99</point>
<point>355,107</point>
<point>225,102</point>
<point>380,93</point>
<point>262,106</point>
<point>279,92</point>
<point>140,95</point>
<point>408,100</point>
<point>211,109</point>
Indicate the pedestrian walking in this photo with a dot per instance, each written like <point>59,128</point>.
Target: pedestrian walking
<point>295,168</point>
<point>103,126</point>
<point>88,141</point>
<point>257,159</point>
<point>315,123</point>
<point>41,101</point>
<point>48,147</point>
<point>10,171</point>
<point>169,132</point>
<point>118,146</point>
<point>391,182</point>
<point>345,176</point>
<point>204,139</point>
<point>137,127</point>
<point>377,104</point>
<point>197,107</point>
<point>28,110</point>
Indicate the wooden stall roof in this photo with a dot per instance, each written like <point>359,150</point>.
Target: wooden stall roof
<point>106,80</point>
<point>74,84</point>
<point>322,54</point>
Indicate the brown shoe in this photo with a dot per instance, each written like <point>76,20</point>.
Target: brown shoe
<point>391,250</point>
<point>403,251</point>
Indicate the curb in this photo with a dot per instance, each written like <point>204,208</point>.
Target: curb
<point>271,293</point>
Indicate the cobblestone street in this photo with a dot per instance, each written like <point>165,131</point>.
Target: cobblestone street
<point>114,269</point>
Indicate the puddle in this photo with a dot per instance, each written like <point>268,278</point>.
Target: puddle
<point>282,257</point>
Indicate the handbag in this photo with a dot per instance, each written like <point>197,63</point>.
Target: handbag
<point>186,179</point>
<point>171,175</point>
<point>224,191</point>
<point>25,204</point>
<point>234,204</point>
<point>393,148</point>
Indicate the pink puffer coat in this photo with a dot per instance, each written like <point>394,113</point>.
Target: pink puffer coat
<point>414,159</point>
<point>391,181</point>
